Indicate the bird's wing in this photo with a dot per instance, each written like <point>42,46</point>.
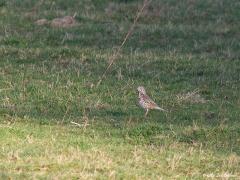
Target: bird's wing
<point>149,101</point>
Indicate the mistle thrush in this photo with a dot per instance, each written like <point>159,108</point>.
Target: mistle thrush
<point>146,102</point>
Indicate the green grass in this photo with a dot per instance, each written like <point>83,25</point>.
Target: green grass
<point>48,78</point>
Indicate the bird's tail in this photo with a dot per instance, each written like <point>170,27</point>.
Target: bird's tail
<point>161,109</point>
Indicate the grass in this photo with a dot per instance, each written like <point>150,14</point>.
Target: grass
<point>186,54</point>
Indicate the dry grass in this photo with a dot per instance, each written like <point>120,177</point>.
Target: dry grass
<point>192,97</point>
<point>64,22</point>
<point>67,21</point>
<point>49,151</point>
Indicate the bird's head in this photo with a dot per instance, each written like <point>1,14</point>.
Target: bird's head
<point>141,90</point>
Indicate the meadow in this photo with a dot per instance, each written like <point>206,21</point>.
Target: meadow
<point>185,53</point>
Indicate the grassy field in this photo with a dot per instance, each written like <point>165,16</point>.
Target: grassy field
<point>187,55</point>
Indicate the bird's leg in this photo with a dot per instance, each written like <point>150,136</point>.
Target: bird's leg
<point>146,112</point>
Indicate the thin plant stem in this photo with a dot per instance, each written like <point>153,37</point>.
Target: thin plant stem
<point>116,54</point>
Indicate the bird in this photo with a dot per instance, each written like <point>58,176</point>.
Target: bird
<point>146,102</point>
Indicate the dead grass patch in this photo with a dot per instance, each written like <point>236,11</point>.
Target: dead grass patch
<point>41,22</point>
<point>192,97</point>
<point>64,22</point>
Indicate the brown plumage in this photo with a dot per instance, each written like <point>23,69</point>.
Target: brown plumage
<point>146,102</point>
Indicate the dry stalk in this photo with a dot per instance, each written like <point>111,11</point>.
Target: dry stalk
<point>80,125</point>
<point>115,55</point>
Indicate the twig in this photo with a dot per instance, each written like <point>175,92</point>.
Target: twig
<point>80,125</point>
<point>6,89</point>
<point>115,55</point>
<point>75,14</point>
